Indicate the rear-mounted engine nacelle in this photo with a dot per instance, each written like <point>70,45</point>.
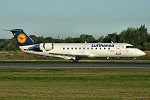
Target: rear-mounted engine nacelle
<point>48,46</point>
<point>42,47</point>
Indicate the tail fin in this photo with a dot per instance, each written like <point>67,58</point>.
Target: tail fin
<point>21,37</point>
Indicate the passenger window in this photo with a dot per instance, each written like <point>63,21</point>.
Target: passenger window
<point>91,48</point>
<point>104,48</point>
<point>79,48</point>
<point>67,48</point>
<point>72,48</point>
<point>108,48</point>
<point>95,48</point>
<point>63,48</point>
<point>87,48</point>
<point>84,48</point>
<point>100,48</point>
<point>75,48</point>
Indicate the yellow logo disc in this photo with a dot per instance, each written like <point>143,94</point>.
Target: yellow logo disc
<point>21,38</point>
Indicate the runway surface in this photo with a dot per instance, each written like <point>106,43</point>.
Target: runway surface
<point>69,65</point>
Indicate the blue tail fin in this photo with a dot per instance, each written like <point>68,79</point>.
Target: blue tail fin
<point>21,37</point>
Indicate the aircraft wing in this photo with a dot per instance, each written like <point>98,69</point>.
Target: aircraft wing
<point>68,56</point>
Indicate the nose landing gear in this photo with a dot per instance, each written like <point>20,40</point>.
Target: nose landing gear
<point>134,60</point>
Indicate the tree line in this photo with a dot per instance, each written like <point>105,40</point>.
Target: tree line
<point>138,37</point>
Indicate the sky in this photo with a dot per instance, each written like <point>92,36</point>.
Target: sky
<point>64,18</point>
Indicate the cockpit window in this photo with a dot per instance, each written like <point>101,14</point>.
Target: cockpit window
<point>130,47</point>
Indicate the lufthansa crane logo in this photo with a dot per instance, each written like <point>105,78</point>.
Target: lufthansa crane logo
<point>21,38</point>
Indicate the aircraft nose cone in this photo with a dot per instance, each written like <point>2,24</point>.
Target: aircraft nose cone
<point>142,53</point>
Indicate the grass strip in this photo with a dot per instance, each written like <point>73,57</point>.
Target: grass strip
<point>74,84</point>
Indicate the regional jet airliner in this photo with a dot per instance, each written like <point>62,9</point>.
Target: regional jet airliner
<point>75,51</point>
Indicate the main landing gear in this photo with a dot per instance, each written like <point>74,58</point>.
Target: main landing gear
<point>72,60</point>
<point>75,60</point>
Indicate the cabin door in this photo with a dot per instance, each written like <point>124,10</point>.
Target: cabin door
<point>118,50</point>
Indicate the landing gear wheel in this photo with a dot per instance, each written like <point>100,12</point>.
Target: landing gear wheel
<point>134,60</point>
<point>72,60</point>
<point>76,60</point>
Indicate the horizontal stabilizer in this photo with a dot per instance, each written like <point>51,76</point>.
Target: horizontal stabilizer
<point>12,30</point>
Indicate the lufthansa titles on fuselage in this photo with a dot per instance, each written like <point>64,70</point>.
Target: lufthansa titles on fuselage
<point>102,45</point>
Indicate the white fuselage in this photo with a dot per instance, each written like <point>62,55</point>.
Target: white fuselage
<point>73,50</point>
